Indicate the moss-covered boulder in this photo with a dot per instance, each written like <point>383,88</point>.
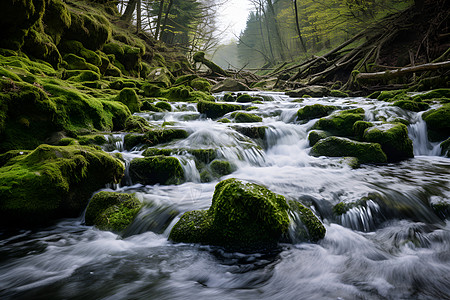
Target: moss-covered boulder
<point>161,77</point>
<point>341,147</point>
<point>53,182</point>
<point>154,137</point>
<point>129,97</point>
<point>156,169</point>
<point>412,105</point>
<point>308,226</point>
<point>136,124</point>
<point>359,127</point>
<point>314,111</point>
<point>393,139</point>
<point>341,124</point>
<point>242,117</point>
<point>164,105</point>
<point>246,98</point>
<point>445,148</point>
<point>112,211</point>
<point>316,135</point>
<point>438,123</point>
<point>215,110</point>
<point>200,84</point>
<point>243,216</point>
<point>338,94</point>
<point>221,167</point>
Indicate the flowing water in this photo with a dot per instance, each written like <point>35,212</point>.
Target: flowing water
<point>392,246</point>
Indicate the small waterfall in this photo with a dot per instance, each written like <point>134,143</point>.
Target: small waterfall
<point>361,217</point>
<point>418,134</point>
<point>191,173</point>
<point>115,142</point>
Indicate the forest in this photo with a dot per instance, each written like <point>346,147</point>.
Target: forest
<point>144,156</point>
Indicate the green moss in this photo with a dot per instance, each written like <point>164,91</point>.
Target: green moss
<point>200,84</point>
<point>39,45</point>
<point>128,97</point>
<point>56,19</point>
<point>77,48</point>
<point>81,75</point>
<point>242,117</point>
<point>341,147</point>
<point>164,105</point>
<point>359,127</point>
<point>92,30</point>
<point>154,137</point>
<point>341,124</point>
<point>229,97</point>
<point>438,123</point>
<point>245,98</point>
<point>316,135</point>
<point>92,139</point>
<point>136,124</point>
<point>112,211</point>
<point>25,64</point>
<point>338,94</point>
<point>411,105</point>
<point>315,230</point>
<point>53,182</point>
<point>314,111</point>
<point>215,110</point>
<point>224,120</point>
<point>390,96</point>
<point>156,169</point>
<point>161,77</point>
<point>221,167</point>
<point>16,18</point>
<point>74,62</point>
<point>243,217</point>
<point>254,132</point>
<point>200,57</point>
<point>439,93</point>
<point>393,139</point>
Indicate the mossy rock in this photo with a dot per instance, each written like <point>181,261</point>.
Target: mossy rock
<point>221,167</point>
<point>112,211</point>
<point>136,124</point>
<point>445,148</point>
<point>438,123</point>
<point>156,169</point>
<point>77,48</point>
<point>243,217</point>
<point>245,98</point>
<point>310,227</point>
<point>216,110</point>
<point>316,135</point>
<point>434,94</point>
<point>253,132</point>
<point>412,105</point>
<point>229,97</point>
<point>310,91</point>
<point>16,18</point>
<point>40,46</point>
<point>242,117</point>
<point>204,156</point>
<point>341,124</point>
<point>314,111</point>
<point>129,97</point>
<point>92,30</point>
<point>393,139</point>
<point>342,147</point>
<point>359,127</point>
<point>92,139</point>
<point>390,96</point>
<point>53,182</point>
<point>161,77</point>
<point>338,94</point>
<point>154,137</point>
<point>81,75</point>
<point>201,84</point>
<point>56,19</point>
<point>164,105</point>
<point>74,62</point>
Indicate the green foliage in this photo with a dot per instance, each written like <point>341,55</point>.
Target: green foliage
<point>53,182</point>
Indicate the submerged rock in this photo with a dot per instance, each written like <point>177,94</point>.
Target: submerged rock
<point>243,217</point>
<point>53,182</point>
<point>308,226</point>
<point>393,139</point>
<point>340,147</point>
<point>112,211</point>
<point>156,169</point>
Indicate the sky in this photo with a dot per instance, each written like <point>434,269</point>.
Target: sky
<point>233,14</point>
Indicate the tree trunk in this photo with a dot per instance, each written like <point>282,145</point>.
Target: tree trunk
<point>138,16</point>
<point>128,14</point>
<point>298,26</point>
<point>166,18</point>
<point>277,29</point>
<point>158,21</point>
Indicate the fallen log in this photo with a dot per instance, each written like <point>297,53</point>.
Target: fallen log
<point>389,74</point>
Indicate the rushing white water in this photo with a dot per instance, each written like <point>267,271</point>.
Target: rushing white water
<point>389,244</point>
